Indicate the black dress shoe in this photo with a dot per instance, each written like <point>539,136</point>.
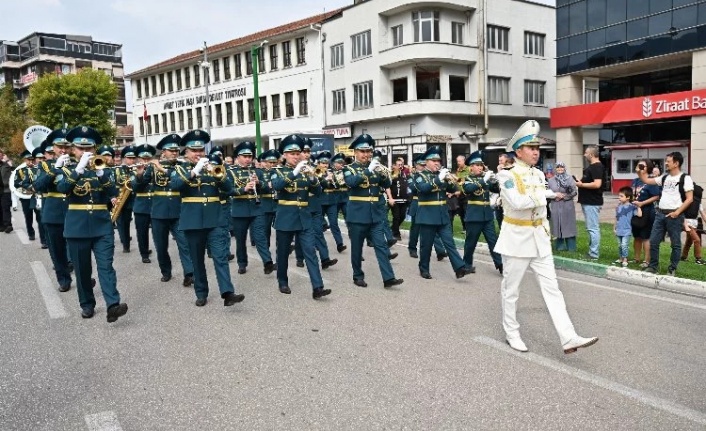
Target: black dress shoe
<point>392,256</point>
<point>115,311</point>
<point>230,298</point>
<point>341,247</point>
<point>285,289</point>
<point>165,278</point>
<point>425,275</point>
<point>231,257</point>
<point>326,227</point>
<point>462,272</point>
<point>87,313</point>
<point>149,252</point>
<point>441,256</point>
<point>31,238</point>
<point>65,288</point>
<point>300,264</point>
<point>391,242</point>
<point>44,246</point>
<point>188,280</point>
<point>360,282</point>
<point>200,302</point>
<point>146,260</point>
<point>252,244</point>
<point>393,282</point>
<point>471,269</point>
<point>269,267</point>
<point>500,268</point>
<point>328,263</point>
<point>93,283</point>
<point>413,254</point>
<point>8,229</point>
<point>320,292</point>
<point>126,249</point>
<point>242,270</point>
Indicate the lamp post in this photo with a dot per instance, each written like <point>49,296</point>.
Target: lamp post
<point>255,56</point>
<point>206,66</point>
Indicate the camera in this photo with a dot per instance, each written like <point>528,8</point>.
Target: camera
<point>641,167</point>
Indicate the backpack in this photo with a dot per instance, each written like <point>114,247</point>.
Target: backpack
<point>693,211</point>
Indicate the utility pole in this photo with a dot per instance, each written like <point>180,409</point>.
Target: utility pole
<point>206,66</point>
<point>255,56</point>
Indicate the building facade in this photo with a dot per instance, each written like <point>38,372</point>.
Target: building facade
<point>24,61</point>
<point>411,74</point>
<point>631,77</point>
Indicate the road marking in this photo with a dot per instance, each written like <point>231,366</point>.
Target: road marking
<point>103,421</point>
<point>51,296</point>
<point>22,235</point>
<point>637,395</point>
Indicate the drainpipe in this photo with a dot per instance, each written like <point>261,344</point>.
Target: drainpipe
<point>483,79</point>
<point>322,39</point>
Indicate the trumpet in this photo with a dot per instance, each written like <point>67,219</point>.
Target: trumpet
<point>216,171</point>
<point>97,163</point>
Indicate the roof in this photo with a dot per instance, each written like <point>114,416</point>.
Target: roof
<point>245,40</point>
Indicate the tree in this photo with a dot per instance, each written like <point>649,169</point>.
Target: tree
<point>81,99</point>
<point>12,121</point>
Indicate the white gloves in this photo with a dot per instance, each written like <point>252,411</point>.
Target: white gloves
<point>299,167</point>
<point>373,165</point>
<point>489,176</point>
<point>99,173</point>
<point>443,173</point>
<point>199,166</point>
<point>61,161</point>
<point>85,158</point>
<point>549,194</point>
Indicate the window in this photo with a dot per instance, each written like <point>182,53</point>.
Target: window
<point>147,88</point>
<point>238,66</point>
<point>209,116</point>
<point>361,45</point>
<point>275,107</point>
<point>172,122</point>
<point>363,95</point>
<point>339,101</point>
<point>138,87</point>
<point>154,85</point>
<point>301,51</point>
<point>199,119</point>
<point>161,83</point>
<point>219,115</point>
<point>155,118</point>
<point>197,76</point>
<point>498,38</point>
<point>165,125</point>
<point>260,61</point>
<point>178,79</point>
<point>287,53</point>
<point>337,56</point>
<point>251,110</point>
<point>590,95</point>
<point>457,87</point>
<point>534,93</point>
<point>239,111</point>
<point>226,68</point>
<point>534,44</point>
<point>181,120</point>
<point>426,26</point>
<point>428,83</point>
<point>187,78</point>
<point>142,126</point>
<point>170,82</point>
<point>273,57</point>
<point>498,89</point>
<point>190,118</point>
<point>303,106</point>
<point>397,35</point>
<point>399,90</point>
<point>263,108</point>
<point>276,142</point>
<point>229,113</point>
<point>457,32</point>
<point>248,63</point>
<point>289,104</point>
<point>216,66</point>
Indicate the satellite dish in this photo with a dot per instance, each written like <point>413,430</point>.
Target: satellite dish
<point>34,136</point>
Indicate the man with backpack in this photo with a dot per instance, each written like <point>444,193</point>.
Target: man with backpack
<point>676,198</point>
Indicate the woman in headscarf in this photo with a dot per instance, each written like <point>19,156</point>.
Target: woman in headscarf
<point>563,219</point>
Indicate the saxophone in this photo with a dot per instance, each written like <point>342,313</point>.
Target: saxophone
<point>123,196</point>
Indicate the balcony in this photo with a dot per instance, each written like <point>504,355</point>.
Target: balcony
<point>428,107</point>
<point>428,52</point>
<point>394,7</point>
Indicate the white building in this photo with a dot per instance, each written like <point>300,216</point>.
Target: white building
<point>409,73</point>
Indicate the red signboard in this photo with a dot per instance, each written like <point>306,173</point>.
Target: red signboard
<point>682,104</point>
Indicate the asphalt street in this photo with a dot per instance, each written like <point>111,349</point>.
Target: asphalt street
<point>427,356</point>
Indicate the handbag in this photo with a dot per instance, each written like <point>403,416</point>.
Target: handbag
<point>638,222</point>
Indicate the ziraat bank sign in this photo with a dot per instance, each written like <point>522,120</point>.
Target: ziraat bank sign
<point>682,104</point>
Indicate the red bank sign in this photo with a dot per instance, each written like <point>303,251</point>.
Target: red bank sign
<point>682,104</point>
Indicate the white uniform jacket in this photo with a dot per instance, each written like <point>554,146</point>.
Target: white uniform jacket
<point>525,228</point>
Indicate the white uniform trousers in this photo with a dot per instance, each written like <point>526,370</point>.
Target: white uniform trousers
<point>514,269</point>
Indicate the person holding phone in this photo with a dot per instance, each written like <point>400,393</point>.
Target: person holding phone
<point>645,197</point>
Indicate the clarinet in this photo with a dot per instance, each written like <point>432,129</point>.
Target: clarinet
<point>254,189</point>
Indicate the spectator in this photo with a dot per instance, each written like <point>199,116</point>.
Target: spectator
<point>693,236</point>
<point>591,199</point>
<point>655,171</point>
<point>6,197</point>
<point>645,197</point>
<point>624,213</point>
<point>563,220</point>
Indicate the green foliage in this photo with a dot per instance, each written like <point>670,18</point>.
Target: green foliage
<point>12,119</point>
<point>81,99</point>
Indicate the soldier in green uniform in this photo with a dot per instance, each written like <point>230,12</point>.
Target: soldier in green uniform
<point>142,207</point>
<point>338,200</point>
<point>55,204</point>
<point>363,215</point>
<point>24,179</point>
<point>432,184</point>
<point>419,166</point>
<point>268,161</point>
<point>122,179</point>
<point>293,183</point>
<point>39,158</point>
<point>88,228</point>
<point>200,217</point>
<point>215,158</point>
<point>480,217</point>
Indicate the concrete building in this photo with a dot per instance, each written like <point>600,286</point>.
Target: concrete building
<point>411,74</point>
<point>632,79</point>
<point>24,61</point>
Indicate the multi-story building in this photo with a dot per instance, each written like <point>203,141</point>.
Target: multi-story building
<point>410,74</point>
<point>24,61</point>
<point>632,79</point>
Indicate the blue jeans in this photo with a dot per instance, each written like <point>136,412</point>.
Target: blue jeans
<point>590,215</point>
<point>673,228</point>
<point>623,245</point>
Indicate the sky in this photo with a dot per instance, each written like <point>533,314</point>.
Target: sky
<point>151,31</point>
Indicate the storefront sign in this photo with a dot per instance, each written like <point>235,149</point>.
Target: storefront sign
<point>30,77</point>
<point>338,132</point>
<point>682,104</point>
<point>237,93</point>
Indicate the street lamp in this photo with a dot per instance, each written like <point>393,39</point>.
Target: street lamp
<point>254,55</point>
<point>206,66</point>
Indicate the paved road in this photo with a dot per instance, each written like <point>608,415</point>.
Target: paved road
<point>427,356</point>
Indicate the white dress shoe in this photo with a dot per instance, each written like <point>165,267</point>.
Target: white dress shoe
<point>578,342</point>
<point>517,344</point>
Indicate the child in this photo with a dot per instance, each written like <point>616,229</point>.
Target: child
<point>623,227</point>
<point>693,237</point>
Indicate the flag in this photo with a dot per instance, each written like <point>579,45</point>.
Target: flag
<point>144,114</point>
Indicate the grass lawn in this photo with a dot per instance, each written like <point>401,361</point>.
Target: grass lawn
<point>609,251</point>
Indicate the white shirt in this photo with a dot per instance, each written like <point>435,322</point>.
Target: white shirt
<point>671,198</point>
